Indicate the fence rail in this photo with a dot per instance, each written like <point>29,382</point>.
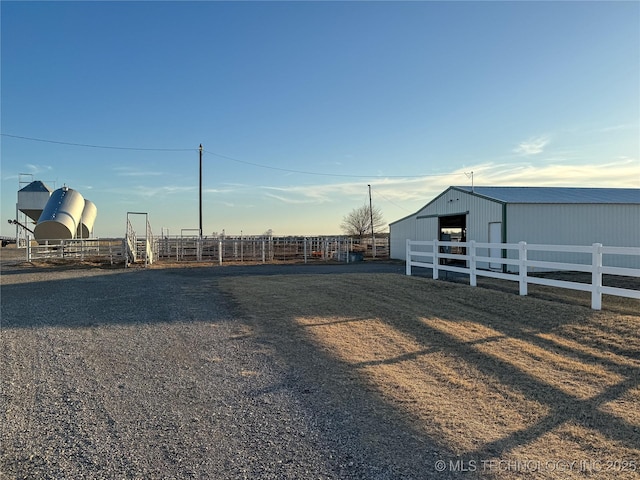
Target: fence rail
<point>438,255</point>
<point>112,249</point>
<point>266,249</point>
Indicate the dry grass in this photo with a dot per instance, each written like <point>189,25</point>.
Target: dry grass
<point>488,375</point>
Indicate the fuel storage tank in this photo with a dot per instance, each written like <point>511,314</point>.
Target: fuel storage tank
<point>87,219</point>
<point>60,218</point>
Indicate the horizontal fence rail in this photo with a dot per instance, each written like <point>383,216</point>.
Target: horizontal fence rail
<point>267,249</point>
<point>464,257</point>
<point>137,249</point>
<point>111,249</point>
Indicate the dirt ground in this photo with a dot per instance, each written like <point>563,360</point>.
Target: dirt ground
<point>310,372</point>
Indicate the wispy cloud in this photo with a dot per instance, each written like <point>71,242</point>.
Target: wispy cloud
<point>289,200</point>
<point>316,194</point>
<point>38,169</point>
<point>135,172</point>
<point>28,169</point>
<point>146,191</point>
<point>614,128</point>
<point>533,146</point>
<point>619,172</point>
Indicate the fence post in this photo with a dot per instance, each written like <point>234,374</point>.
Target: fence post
<point>28,245</point>
<point>522,267</point>
<point>263,251</point>
<point>304,239</point>
<point>596,277</point>
<point>436,258</point>
<point>472,264</point>
<point>408,258</point>
<point>220,252</point>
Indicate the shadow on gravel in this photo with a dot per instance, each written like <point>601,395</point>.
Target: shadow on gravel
<point>382,413</point>
<point>292,269</point>
<point>26,268</point>
<point>358,433</point>
<point>53,297</point>
<point>447,372</point>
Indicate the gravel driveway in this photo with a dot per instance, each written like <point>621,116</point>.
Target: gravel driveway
<point>113,373</point>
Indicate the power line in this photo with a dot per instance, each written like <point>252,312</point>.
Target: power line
<point>219,155</point>
<point>393,203</point>
<point>303,172</point>
<point>111,147</point>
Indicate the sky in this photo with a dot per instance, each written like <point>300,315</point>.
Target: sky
<point>300,106</point>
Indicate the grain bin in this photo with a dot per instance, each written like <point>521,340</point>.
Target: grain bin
<point>61,215</point>
<point>33,198</point>
<point>87,219</point>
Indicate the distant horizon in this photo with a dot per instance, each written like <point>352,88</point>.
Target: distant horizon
<point>190,232</point>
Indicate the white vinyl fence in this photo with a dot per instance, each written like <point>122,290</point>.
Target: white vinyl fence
<point>464,257</point>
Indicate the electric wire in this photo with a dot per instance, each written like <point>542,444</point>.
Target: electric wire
<point>390,201</point>
<point>226,157</point>
<point>111,147</point>
<point>343,175</point>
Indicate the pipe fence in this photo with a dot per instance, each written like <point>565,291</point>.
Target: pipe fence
<point>111,249</point>
<point>266,249</point>
<point>136,249</point>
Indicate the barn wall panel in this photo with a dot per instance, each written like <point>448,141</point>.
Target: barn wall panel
<point>570,224</point>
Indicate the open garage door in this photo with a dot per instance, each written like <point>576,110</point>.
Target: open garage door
<point>453,228</point>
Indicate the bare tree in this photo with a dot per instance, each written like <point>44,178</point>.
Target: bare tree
<point>358,222</point>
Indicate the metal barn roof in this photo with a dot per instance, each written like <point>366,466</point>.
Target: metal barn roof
<point>557,194</point>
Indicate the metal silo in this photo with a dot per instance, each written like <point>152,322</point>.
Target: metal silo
<point>33,198</point>
<point>87,219</point>
<point>61,215</point>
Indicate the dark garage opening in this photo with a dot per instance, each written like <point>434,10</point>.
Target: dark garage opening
<point>453,228</point>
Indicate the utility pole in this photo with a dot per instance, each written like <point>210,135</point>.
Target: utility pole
<point>373,237</point>
<point>200,192</point>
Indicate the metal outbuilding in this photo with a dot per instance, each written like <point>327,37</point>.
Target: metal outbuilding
<point>537,215</point>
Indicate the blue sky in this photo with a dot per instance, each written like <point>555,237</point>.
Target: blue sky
<point>405,96</point>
